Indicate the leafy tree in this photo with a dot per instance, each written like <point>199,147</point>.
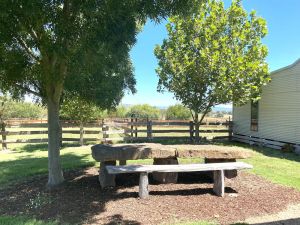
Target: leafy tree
<point>213,56</point>
<point>178,112</point>
<point>75,108</point>
<point>3,108</point>
<point>144,111</point>
<point>80,46</point>
<point>19,109</point>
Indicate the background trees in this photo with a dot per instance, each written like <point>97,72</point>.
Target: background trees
<point>144,111</point>
<point>178,112</point>
<point>18,109</point>
<point>213,56</point>
<point>75,108</point>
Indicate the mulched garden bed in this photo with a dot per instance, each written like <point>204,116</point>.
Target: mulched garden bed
<point>81,200</point>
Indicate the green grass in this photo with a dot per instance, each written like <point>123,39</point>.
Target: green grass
<point>29,160</point>
<point>278,167</point>
<point>9,220</point>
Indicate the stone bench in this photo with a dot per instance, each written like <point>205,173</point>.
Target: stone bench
<point>217,168</point>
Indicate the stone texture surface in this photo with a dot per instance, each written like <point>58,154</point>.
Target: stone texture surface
<point>105,179</point>
<point>102,152</point>
<point>165,178</point>
<point>228,173</point>
<point>211,151</point>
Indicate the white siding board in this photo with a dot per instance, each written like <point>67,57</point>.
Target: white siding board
<point>279,109</point>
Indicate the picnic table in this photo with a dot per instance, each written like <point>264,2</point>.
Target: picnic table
<point>162,155</point>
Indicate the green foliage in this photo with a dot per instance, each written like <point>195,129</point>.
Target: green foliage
<point>144,111</point>
<point>213,56</point>
<point>81,46</point>
<point>18,109</point>
<point>76,108</point>
<point>178,112</point>
<point>120,112</point>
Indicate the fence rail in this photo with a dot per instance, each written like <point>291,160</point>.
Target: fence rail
<point>14,132</point>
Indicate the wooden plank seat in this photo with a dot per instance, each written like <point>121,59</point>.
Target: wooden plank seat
<point>217,168</point>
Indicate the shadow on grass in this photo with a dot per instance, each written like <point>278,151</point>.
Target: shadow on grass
<point>80,200</point>
<point>42,147</point>
<point>14,171</point>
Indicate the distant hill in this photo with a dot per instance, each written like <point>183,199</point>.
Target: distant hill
<point>214,109</point>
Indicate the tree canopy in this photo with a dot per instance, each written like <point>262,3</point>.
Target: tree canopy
<point>47,47</point>
<point>213,56</point>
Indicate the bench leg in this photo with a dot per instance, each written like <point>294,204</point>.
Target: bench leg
<point>143,188</point>
<point>105,179</point>
<point>219,181</point>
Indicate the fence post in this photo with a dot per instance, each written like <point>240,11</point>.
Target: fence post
<point>136,132</point>
<point>105,128</point>
<point>191,131</point>
<point>230,130</point>
<point>4,144</point>
<point>149,129</point>
<point>131,127</point>
<point>81,131</point>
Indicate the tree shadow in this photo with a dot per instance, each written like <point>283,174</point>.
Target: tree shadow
<point>42,147</point>
<point>118,219</point>
<point>27,167</point>
<point>78,200</point>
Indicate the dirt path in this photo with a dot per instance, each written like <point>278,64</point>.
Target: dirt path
<point>289,216</point>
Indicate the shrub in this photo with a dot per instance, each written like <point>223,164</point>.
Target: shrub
<point>178,112</point>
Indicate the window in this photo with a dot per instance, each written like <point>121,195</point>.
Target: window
<point>254,116</point>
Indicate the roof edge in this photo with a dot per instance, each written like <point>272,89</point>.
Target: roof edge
<point>286,67</point>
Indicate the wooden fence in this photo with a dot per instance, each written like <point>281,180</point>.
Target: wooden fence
<point>149,130</point>
<point>132,129</point>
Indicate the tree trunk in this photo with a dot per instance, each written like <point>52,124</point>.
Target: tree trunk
<point>81,134</point>
<point>54,166</point>
<point>197,128</point>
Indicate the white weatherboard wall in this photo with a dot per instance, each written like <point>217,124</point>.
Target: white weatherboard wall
<point>279,108</point>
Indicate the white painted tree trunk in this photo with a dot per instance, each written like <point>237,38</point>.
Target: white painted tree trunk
<point>54,166</point>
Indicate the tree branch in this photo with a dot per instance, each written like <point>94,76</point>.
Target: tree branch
<point>26,89</point>
<point>27,49</point>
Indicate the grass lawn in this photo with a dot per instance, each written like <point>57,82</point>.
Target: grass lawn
<point>29,160</point>
<point>278,167</point>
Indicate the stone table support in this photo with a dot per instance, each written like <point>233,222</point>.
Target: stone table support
<point>105,179</point>
<point>165,177</point>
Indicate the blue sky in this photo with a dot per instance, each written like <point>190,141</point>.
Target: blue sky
<point>283,41</point>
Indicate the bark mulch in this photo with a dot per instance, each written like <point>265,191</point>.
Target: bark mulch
<point>81,201</point>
